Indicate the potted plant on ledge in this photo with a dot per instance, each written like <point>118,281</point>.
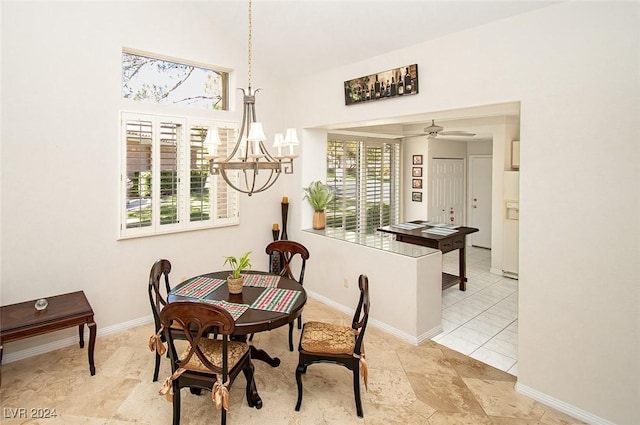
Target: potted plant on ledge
<point>319,196</point>
<point>238,265</point>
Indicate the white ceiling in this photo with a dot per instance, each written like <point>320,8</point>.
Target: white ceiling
<point>300,37</point>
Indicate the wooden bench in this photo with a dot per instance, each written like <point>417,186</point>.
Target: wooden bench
<point>22,320</point>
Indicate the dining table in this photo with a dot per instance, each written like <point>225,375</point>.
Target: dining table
<point>267,302</point>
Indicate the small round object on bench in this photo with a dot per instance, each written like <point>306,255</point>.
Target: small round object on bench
<point>41,304</point>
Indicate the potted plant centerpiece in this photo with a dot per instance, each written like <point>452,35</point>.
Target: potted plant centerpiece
<point>318,195</point>
<point>238,265</point>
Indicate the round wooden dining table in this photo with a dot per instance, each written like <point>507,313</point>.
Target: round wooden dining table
<point>252,320</point>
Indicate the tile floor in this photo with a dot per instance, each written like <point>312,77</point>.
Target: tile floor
<point>423,385</point>
<point>481,322</point>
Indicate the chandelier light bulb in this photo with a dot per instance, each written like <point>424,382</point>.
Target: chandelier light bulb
<point>278,141</point>
<point>212,138</point>
<point>291,139</point>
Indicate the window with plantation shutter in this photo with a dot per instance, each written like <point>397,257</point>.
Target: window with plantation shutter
<point>226,199</point>
<point>165,182</point>
<point>365,178</point>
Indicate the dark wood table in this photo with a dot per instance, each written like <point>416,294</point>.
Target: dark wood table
<point>22,320</point>
<point>253,321</point>
<point>445,244</point>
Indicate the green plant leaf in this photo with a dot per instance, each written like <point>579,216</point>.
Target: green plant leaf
<point>318,195</point>
<point>238,265</point>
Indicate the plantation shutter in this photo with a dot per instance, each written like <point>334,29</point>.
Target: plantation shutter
<point>169,193</point>
<point>199,193</point>
<point>166,185</point>
<point>226,199</point>
<point>137,173</point>
<point>365,177</point>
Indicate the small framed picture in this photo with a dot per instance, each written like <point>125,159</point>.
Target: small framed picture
<point>417,159</point>
<point>416,196</point>
<point>416,172</point>
<point>416,183</point>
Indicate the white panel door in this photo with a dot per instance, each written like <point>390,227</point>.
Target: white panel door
<point>446,191</point>
<point>480,169</point>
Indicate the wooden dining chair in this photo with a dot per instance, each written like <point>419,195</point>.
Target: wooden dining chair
<point>329,343</point>
<point>289,252</point>
<point>205,363</point>
<point>158,299</point>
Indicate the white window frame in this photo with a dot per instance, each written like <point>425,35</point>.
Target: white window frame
<point>216,185</point>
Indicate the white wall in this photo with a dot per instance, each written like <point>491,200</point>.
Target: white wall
<point>574,67</point>
<point>412,286</point>
<point>480,148</point>
<point>60,145</point>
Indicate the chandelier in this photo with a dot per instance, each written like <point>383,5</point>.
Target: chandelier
<point>250,168</point>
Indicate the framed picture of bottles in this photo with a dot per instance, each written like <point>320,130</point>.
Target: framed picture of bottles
<point>402,81</point>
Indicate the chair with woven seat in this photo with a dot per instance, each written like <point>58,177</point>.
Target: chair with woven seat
<point>289,250</point>
<point>205,363</point>
<point>329,343</point>
<point>158,299</point>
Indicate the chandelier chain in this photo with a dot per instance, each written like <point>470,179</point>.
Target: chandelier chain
<point>249,45</point>
<point>249,157</point>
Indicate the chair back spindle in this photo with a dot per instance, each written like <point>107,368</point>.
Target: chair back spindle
<point>288,252</point>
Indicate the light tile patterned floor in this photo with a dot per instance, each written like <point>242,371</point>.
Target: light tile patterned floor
<point>481,322</point>
<point>425,385</point>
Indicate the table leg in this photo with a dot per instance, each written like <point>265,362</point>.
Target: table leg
<point>92,343</point>
<point>81,334</point>
<point>253,398</point>
<point>258,354</point>
<point>462,268</point>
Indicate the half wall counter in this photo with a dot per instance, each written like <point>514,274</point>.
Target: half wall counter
<point>405,280</point>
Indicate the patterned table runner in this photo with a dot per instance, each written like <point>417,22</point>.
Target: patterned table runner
<point>276,299</point>
<point>199,287</point>
<point>408,226</point>
<point>234,309</point>
<point>261,280</point>
<point>440,231</point>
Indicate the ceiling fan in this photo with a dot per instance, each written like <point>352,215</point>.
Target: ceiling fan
<point>434,130</point>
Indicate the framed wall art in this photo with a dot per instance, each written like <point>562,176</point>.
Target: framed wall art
<point>416,196</point>
<point>416,171</point>
<point>417,159</point>
<point>416,183</point>
<point>394,83</point>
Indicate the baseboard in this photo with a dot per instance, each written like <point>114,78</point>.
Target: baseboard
<point>378,324</point>
<point>493,270</point>
<point>430,334</point>
<point>510,275</point>
<point>561,406</point>
<point>73,340</point>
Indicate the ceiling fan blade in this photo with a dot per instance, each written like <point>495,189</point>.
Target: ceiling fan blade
<point>457,133</point>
